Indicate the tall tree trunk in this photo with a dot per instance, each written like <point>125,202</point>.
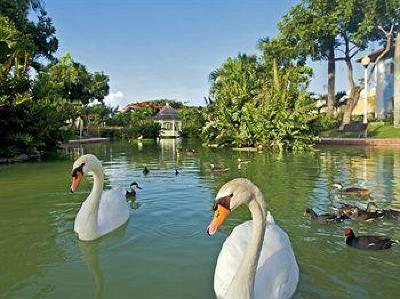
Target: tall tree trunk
<point>354,94</point>
<point>276,73</point>
<point>331,81</point>
<point>396,99</point>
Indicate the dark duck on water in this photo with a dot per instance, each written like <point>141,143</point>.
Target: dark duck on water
<point>352,191</point>
<point>132,192</point>
<point>367,242</point>
<point>146,171</point>
<point>355,213</point>
<point>390,213</point>
<point>325,218</point>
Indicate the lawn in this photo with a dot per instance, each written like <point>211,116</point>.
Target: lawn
<point>375,130</point>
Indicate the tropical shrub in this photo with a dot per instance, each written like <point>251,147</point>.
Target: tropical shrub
<point>260,103</point>
<point>193,121</point>
<point>150,130</point>
<point>31,126</point>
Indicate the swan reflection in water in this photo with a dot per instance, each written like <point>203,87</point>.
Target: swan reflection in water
<point>91,253</point>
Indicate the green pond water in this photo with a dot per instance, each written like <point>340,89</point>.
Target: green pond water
<point>163,251</point>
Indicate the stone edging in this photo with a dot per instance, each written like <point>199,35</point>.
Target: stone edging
<point>359,141</point>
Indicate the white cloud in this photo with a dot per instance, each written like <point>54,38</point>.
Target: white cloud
<point>116,99</point>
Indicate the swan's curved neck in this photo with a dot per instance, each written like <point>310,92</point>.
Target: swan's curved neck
<point>93,200</point>
<point>242,286</point>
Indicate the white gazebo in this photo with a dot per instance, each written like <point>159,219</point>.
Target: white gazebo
<point>170,124</point>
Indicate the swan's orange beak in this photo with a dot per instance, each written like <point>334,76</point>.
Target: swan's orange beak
<point>219,216</point>
<point>76,180</point>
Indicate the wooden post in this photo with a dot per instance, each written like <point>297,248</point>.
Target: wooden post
<point>396,97</point>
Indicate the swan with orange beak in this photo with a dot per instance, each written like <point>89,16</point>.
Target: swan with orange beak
<point>256,261</point>
<point>77,175</point>
<point>102,211</point>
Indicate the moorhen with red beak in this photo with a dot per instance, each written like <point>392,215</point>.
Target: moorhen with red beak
<point>367,242</point>
<point>324,218</point>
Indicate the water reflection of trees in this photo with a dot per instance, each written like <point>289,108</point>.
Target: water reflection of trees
<point>375,168</point>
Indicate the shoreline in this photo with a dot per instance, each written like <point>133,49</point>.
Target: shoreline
<point>358,141</point>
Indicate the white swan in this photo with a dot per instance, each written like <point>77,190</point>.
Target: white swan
<point>256,260</point>
<point>102,211</point>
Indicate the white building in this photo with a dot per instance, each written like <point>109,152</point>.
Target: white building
<point>382,80</point>
<point>170,124</point>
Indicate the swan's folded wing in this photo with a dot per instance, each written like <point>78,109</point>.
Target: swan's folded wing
<point>277,271</point>
<point>230,256</point>
<point>113,210</point>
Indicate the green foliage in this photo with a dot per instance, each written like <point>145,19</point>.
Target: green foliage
<point>98,114</point>
<point>30,20</point>
<point>325,122</point>
<point>32,125</point>
<point>149,130</point>
<point>311,27</point>
<point>120,119</point>
<point>193,120</point>
<point>70,80</point>
<point>261,102</point>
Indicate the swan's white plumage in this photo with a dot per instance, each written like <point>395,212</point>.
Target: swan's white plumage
<point>113,209</point>
<point>113,212</point>
<point>277,271</point>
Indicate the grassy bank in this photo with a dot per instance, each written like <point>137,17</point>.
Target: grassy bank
<point>375,130</point>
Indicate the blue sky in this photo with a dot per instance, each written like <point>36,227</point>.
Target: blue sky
<point>166,48</point>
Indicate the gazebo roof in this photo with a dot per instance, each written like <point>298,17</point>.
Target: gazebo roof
<point>167,113</point>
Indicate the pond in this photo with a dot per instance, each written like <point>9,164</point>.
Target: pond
<point>163,251</point>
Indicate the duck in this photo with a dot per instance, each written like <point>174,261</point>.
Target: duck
<point>393,214</point>
<point>324,218</point>
<point>256,260</point>
<point>190,151</point>
<point>176,171</point>
<point>217,169</point>
<point>242,162</point>
<point>354,191</point>
<point>355,213</point>
<point>145,171</point>
<point>390,213</point>
<point>367,242</point>
<point>103,211</point>
<point>140,137</point>
<point>132,192</point>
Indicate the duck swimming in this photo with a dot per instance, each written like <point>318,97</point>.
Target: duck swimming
<point>367,242</point>
<point>242,162</point>
<point>354,191</point>
<point>146,171</point>
<point>355,213</point>
<point>190,152</point>
<point>217,169</point>
<point>390,213</point>
<point>393,214</point>
<point>324,218</point>
<point>132,192</point>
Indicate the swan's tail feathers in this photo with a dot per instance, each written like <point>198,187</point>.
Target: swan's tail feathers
<point>270,219</point>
